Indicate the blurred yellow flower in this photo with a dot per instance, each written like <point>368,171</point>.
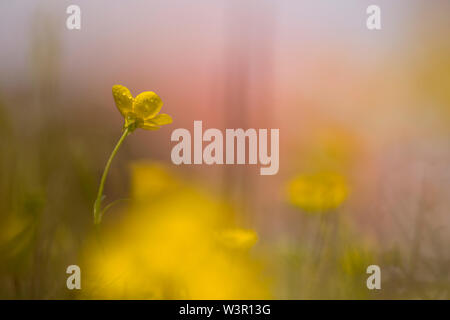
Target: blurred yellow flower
<point>142,111</point>
<point>331,147</point>
<point>150,181</point>
<point>318,192</point>
<point>165,246</point>
<point>238,238</point>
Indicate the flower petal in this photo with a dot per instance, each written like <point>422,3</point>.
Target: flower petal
<point>147,105</point>
<point>160,119</point>
<point>148,125</point>
<point>123,98</point>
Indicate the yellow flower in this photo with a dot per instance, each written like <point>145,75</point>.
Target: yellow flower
<point>142,111</point>
<point>166,246</point>
<point>319,192</point>
<point>238,238</point>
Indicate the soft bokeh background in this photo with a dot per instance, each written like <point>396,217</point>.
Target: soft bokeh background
<point>364,119</point>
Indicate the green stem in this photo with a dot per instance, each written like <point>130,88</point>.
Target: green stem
<point>98,202</point>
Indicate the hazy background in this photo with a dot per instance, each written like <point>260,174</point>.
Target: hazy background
<point>363,114</point>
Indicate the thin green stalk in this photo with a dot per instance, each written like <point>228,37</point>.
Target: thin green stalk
<point>98,213</point>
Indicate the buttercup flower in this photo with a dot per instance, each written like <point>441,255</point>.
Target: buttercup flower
<point>140,112</point>
<point>318,192</point>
